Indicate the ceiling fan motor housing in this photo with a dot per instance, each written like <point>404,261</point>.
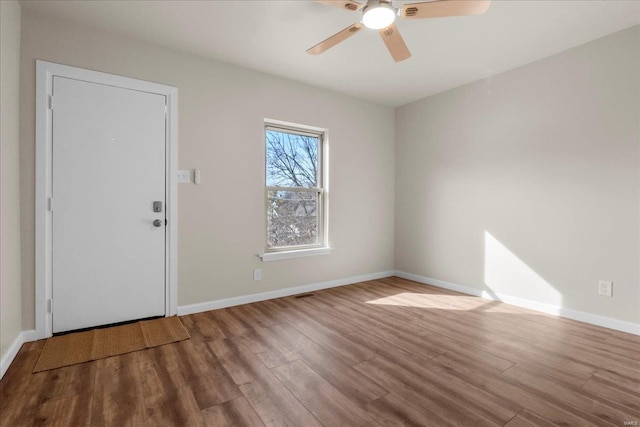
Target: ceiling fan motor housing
<point>372,4</point>
<point>378,14</point>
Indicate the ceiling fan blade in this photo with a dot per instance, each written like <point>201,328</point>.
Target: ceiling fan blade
<point>395,43</point>
<point>442,8</point>
<point>335,39</point>
<point>342,4</point>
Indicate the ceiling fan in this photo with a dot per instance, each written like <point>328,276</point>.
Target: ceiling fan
<point>381,14</point>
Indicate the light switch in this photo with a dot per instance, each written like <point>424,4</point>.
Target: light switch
<point>184,176</point>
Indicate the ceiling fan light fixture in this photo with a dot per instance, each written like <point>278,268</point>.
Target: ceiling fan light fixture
<point>378,17</point>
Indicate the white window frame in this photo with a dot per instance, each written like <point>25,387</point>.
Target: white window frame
<point>322,247</point>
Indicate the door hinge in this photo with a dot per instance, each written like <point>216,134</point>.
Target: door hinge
<point>51,102</point>
<point>49,306</point>
<point>50,204</point>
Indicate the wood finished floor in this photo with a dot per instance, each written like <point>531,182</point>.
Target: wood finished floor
<point>384,352</point>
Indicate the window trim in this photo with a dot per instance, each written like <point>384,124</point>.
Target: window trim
<point>297,253</point>
<point>321,248</point>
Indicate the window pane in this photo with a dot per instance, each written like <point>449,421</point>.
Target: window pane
<point>292,218</point>
<point>292,160</point>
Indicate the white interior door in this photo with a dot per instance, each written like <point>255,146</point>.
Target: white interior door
<point>109,148</point>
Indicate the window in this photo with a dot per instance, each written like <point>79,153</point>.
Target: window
<point>295,190</point>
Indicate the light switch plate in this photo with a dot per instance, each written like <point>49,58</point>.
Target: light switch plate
<point>184,176</point>
<point>605,287</point>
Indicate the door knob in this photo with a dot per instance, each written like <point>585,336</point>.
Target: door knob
<point>157,223</point>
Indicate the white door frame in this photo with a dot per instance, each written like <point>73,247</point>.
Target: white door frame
<point>45,71</point>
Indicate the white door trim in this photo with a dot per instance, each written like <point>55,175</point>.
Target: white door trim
<point>45,71</point>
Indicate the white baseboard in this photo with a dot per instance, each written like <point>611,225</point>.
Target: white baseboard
<point>30,335</point>
<point>263,296</point>
<point>10,354</point>
<point>14,348</point>
<point>581,316</point>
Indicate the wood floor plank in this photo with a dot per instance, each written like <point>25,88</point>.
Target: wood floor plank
<point>276,306</point>
<point>176,407</point>
<point>197,359</point>
<point>21,392</point>
<point>228,321</point>
<point>607,412</point>
<point>254,316</point>
<point>234,413</point>
<point>268,349</point>
<point>513,349</point>
<point>397,337</point>
<point>342,376</point>
<point>187,364</point>
<point>392,410</point>
<point>160,370</point>
<point>329,406</point>
<point>481,356</point>
<point>328,338</point>
<point>528,419</point>
<point>627,373</point>
<point>211,391</point>
<point>555,373</point>
<point>241,366</point>
<point>422,394</point>
<point>66,411</point>
<point>272,401</point>
<point>622,339</point>
<point>323,316</point>
<point>392,313</point>
<point>612,391</point>
<point>70,381</point>
<point>507,324</point>
<point>118,398</point>
<point>200,326</point>
<point>33,345</point>
<point>360,316</point>
<point>428,341</point>
<point>378,345</point>
<point>465,393</point>
<point>592,353</point>
<point>555,410</point>
<point>270,309</point>
<point>202,372</point>
<point>527,316</point>
<point>276,406</point>
<point>598,352</point>
<point>389,351</point>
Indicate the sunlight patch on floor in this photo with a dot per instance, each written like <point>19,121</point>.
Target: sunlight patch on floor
<point>437,301</point>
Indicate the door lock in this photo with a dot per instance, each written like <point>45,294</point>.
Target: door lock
<point>157,207</point>
<point>157,223</point>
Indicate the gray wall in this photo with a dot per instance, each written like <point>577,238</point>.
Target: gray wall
<point>10,318</point>
<point>221,113</point>
<point>527,183</point>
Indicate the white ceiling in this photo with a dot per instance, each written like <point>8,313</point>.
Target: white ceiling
<point>272,36</point>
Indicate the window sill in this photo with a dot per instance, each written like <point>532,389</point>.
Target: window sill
<point>298,253</point>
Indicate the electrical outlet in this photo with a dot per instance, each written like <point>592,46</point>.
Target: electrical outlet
<point>257,274</point>
<point>605,287</point>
